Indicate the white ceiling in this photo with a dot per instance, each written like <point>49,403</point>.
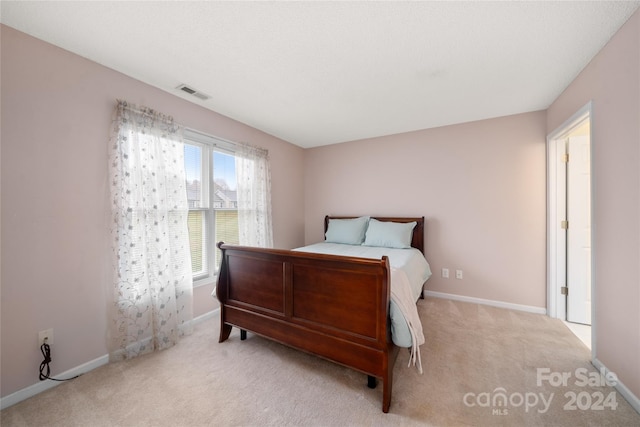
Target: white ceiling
<point>317,73</point>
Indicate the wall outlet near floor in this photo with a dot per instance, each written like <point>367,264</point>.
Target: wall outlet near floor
<point>47,334</point>
<point>458,274</point>
<point>445,273</point>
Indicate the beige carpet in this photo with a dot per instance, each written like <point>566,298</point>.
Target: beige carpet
<point>473,354</point>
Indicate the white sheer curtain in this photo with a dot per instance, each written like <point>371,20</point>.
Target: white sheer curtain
<point>152,286</point>
<point>254,196</point>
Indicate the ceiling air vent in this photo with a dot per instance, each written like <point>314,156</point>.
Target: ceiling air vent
<point>193,92</point>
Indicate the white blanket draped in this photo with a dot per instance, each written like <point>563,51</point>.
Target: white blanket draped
<point>401,295</point>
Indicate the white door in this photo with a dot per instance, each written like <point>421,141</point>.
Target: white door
<point>578,230</point>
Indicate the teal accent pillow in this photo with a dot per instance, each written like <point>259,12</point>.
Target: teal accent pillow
<point>389,234</point>
<point>348,231</point>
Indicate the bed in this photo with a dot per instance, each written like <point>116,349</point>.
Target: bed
<point>338,307</point>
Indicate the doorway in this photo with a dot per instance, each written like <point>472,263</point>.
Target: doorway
<point>570,284</point>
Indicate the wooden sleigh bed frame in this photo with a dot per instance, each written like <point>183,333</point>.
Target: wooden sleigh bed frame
<point>335,307</point>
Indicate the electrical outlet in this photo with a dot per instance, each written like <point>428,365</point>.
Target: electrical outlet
<point>47,334</point>
<point>445,273</point>
<point>458,274</point>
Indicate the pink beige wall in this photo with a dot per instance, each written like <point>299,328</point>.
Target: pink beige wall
<point>480,186</point>
<point>56,116</point>
<point>612,82</point>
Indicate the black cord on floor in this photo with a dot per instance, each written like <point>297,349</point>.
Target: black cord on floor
<point>44,366</point>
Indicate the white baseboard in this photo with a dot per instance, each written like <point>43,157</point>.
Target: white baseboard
<point>500,304</point>
<point>205,316</point>
<point>622,389</point>
<point>45,385</point>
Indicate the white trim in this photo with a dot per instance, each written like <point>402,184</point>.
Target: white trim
<point>622,389</point>
<point>572,122</point>
<point>500,304</point>
<point>204,317</point>
<point>45,385</point>
<point>203,138</point>
<point>555,301</point>
<point>206,281</point>
<point>555,191</point>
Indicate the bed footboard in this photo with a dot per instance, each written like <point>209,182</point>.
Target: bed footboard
<point>330,306</point>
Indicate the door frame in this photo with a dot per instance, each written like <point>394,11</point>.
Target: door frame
<point>556,211</point>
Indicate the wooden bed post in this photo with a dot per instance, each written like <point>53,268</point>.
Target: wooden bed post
<point>221,292</point>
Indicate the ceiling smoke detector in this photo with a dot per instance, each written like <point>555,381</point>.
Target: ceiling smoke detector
<point>193,92</point>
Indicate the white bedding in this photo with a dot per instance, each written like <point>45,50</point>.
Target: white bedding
<point>411,261</point>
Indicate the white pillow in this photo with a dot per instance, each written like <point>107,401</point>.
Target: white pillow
<point>349,231</point>
<point>389,234</point>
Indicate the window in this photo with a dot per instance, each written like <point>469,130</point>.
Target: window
<point>210,167</point>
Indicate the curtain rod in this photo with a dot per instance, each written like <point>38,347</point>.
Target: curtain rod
<point>150,112</point>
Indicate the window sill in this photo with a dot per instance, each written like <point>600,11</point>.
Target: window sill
<point>205,281</point>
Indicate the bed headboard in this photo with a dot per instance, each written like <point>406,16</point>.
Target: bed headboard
<point>417,240</point>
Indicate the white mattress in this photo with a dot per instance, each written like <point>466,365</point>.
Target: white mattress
<point>411,261</point>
